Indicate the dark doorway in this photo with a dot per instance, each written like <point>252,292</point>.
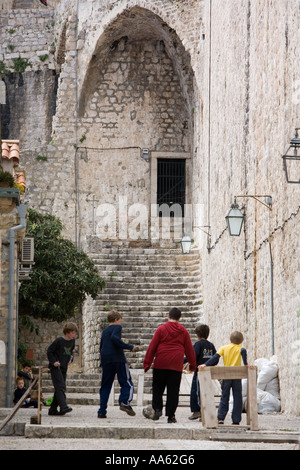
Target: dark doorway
<point>171,183</point>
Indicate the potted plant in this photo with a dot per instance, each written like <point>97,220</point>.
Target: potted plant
<point>6,179</point>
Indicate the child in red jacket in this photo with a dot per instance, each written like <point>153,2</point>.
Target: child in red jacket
<point>170,343</point>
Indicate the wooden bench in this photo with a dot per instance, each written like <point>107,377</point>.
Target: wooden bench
<point>208,406</point>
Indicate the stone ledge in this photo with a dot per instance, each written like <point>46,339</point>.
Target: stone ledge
<point>165,432</point>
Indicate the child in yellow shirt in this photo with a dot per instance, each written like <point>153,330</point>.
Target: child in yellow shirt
<point>232,354</point>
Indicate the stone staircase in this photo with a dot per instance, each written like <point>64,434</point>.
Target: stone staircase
<point>143,284</point>
<point>83,389</point>
<point>24,4</point>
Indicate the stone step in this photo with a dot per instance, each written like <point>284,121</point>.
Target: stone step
<point>23,4</point>
<point>142,251</point>
<point>152,276</point>
<point>131,287</point>
<point>113,270</point>
<point>145,260</point>
<point>149,299</point>
<point>145,322</point>
<point>88,385</point>
<point>153,308</point>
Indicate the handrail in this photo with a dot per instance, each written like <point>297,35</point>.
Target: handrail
<point>38,380</point>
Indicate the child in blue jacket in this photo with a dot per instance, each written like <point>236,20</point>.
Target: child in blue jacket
<point>113,361</point>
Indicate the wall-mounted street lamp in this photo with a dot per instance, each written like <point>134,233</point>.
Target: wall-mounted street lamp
<point>235,216</point>
<point>234,220</point>
<point>186,244</point>
<point>291,160</point>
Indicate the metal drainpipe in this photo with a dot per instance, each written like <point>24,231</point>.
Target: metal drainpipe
<point>22,210</point>
<point>272,298</point>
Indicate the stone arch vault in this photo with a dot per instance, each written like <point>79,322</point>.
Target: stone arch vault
<point>137,92</point>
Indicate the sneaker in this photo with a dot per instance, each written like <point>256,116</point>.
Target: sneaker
<point>44,2</point>
<point>101,416</point>
<point>172,419</point>
<point>53,413</point>
<point>221,421</point>
<point>195,415</point>
<point>157,415</point>
<point>66,410</point>
<point>127,409</point>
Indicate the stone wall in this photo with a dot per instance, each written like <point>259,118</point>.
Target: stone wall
<point>254,110</point>
<point>235,64</point>
<point>47,333</point>
<point>8,219</point>
<point>27,35</point>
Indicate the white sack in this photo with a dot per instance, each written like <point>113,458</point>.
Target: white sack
<point>266,403</point>
<point>273,388</point>
<point>267,371</point>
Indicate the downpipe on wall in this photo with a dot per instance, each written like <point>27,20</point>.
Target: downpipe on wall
<point>272,297</point>
<point>22,210</point>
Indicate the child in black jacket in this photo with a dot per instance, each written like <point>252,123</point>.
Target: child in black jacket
<point>60,355</point>
<point>204,350</point>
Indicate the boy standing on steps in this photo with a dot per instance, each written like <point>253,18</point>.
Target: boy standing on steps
<point>59,354</point>
<point>113,362</point>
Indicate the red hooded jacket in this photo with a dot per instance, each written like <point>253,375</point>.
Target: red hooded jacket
<point>168,346</point>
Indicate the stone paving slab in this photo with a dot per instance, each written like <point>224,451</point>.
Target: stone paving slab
<point>83,423</point>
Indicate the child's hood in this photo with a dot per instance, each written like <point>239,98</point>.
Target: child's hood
<point>173,329</point>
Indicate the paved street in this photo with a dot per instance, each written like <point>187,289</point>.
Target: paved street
<point>21,443</point>
<point>174,437</point>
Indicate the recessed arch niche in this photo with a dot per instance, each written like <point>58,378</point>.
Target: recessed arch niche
<point>138,92</point>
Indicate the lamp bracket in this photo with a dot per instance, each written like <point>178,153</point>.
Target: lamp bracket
<point>256,197</point>
<point>201,227</point>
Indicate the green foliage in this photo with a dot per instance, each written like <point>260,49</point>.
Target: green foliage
<point>41,158</point>
<point>44,57</point>
<point>20,65</point>
<point>62,276</point>
<point>26,322</point>
<point>3,69</point>
<point>7,178</point>
<point>22,350</point>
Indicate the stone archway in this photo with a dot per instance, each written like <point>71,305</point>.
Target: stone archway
<point>138,93</point>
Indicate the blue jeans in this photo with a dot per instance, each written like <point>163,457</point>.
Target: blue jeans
<point>236,386</point>
<point>195,403</point>
<point>109,372</point>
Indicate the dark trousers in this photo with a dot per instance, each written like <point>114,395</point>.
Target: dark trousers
<point>109,371</point>
<point>58,377</point>
<point>195,403</point>
<point>236,386</point>
<point>33,403</point>
<point>171,379</point>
